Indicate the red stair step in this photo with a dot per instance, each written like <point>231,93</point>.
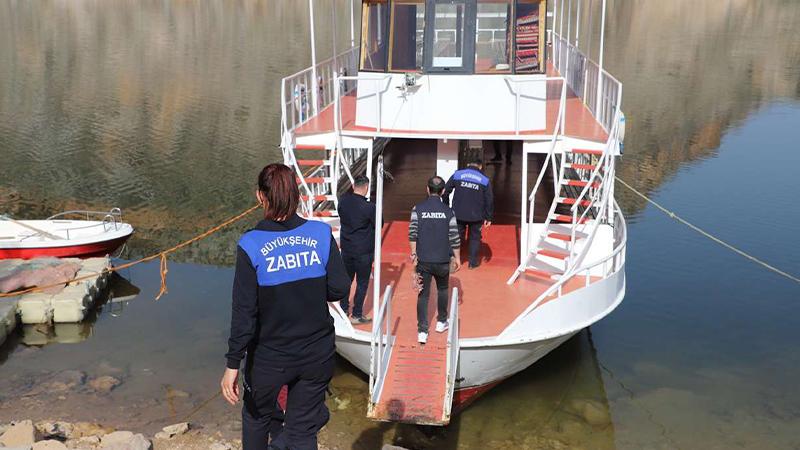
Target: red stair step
<point>323,213</point>
<point>581,183</point>
<point>310,162</point>
<point>565,218</point>
<point>540,273</point>
<point>562,236</point>
<point>553,253</point>
<point>571,201</point>
<point>583,166</point>
<point>319,198</point>
<point>312,180</point>
<point>309,147</point>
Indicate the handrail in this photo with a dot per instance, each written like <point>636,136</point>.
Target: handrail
<point>112,212</point>
<point>511,79</point>
<point>380,346</point>
<point>453,350</point>
<point>376,266</point>
<point>377,78</point>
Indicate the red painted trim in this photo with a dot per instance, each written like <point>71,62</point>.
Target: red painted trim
<point>310,162</point>
<point>464,397</point>
<point>75,251</point>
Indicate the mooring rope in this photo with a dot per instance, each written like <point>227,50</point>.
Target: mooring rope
<point>162,255</point>
<point>709,235</point>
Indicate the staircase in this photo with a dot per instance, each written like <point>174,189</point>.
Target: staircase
<point>573,212</point>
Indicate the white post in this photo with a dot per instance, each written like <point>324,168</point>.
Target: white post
<point>369,166</point>
<point>352,27</point>
<point>556,47</point>
<point>561,36</point>
<point>588,53</point>
<point>578,25</point>
<point>569,32</point>
<point>523,251</point>
<point>314,82</point>
<point>600,62</point>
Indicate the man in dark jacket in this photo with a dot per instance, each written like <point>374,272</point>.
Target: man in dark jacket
<point>357,238</point>
<point>433,234</point>
<point>287,269</point>
<point>473,204</point>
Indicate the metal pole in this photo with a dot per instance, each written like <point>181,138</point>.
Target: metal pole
<point>523,251</point>
<point>569,32</point>
<point>352,27</point>
<point>556,47</point>
<point>578,25</point>
<point>314,82</point>
<point>600,62</point>
<point>561,36</point>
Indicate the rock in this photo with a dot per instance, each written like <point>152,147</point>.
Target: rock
<point>58,430</point>
<point>86,429</point>
<point>220,446</point>
<point>173,430</point>
<point>84,442</point>
<point>50,444</point>
<point>124,440</point>
<point>392,447</point>
<point>19,434</point>
<point>594,413</point>
<point>104,384</point>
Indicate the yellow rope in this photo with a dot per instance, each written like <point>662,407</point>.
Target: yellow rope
<point>162,255</point>
<point>709,235</point>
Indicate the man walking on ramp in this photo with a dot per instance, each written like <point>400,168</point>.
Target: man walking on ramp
<point>433,234</point>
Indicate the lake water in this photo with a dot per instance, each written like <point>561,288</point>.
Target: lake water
<point>168,109</point>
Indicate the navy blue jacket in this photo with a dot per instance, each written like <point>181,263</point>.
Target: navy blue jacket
<point>434,228</point>
<point>357,233</point>
<point>286,272</point>
<point>473,200</point>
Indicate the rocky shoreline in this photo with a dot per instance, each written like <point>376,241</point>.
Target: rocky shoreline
<point>59,435</point>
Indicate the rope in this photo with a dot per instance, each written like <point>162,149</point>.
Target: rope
<point>709,235</point>
<point>163,255</point>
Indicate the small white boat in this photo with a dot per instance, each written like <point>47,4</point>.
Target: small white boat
<point>97,234</point>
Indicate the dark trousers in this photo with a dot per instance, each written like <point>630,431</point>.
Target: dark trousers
<point>441,272</point>
<point>306,412</point>
<point>474,238</point>
<point>358,267</point>
<point>498,149</point>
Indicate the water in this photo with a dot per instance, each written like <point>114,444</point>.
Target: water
<point>169,109</point>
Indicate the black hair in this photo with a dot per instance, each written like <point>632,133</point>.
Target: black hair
<point>360,180</point>
<point>436,185</point>
<point>477,162</point>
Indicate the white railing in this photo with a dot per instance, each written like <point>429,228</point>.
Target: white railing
<point>511,81</point>
<point>342,86</point>
<point>453,349</point>
<point>582,78</point>
<point>381,343</point>
<point>297,104</point>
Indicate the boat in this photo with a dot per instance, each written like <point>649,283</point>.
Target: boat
<point>96,233</point>
<point>433,84</point>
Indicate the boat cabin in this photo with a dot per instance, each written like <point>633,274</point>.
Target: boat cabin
<point>453,36</point>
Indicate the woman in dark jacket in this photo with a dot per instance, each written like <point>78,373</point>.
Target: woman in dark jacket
<point>287,269</point>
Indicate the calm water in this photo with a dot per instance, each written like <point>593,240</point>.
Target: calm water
<point>167,109</point>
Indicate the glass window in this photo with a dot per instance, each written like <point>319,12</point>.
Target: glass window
<point>492,36</point>
<point>374,48</point>
<point>448,34</point>
<point>529,45</point>
<point>408,31</point>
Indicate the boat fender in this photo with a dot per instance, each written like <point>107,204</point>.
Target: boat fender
<point>621,132</point>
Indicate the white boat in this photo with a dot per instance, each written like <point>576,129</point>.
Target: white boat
<point>62,235</point>
<point>433,82</point>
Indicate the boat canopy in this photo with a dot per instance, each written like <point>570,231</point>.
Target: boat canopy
<point>453,36</point>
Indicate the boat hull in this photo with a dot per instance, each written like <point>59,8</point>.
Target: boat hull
<point>90,250</point>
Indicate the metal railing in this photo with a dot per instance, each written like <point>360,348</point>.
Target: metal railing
<point>519,96</point>
<point>453,349</point>
<point>381,343</point>
<point>583,76</point>
<point>297,102</point>
<point>380,89</point>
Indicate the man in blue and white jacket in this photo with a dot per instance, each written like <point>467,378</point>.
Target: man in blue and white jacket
<point>473,204</point>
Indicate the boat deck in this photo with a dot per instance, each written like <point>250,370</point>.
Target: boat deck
<point>580,123</point>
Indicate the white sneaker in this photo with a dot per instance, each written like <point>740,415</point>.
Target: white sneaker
<point>441,327</point>
<point>422,337</point>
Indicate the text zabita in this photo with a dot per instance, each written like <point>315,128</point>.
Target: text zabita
<point>434,215</point>
<point>292,261</point>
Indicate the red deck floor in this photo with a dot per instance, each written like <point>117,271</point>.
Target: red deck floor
<point>579,120</point>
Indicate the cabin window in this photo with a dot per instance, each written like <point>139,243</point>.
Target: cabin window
<point>528,44</point>
<point>493,36</point>
<point>447,45</point>
<point>407,35</point>
<point>374,42</point>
